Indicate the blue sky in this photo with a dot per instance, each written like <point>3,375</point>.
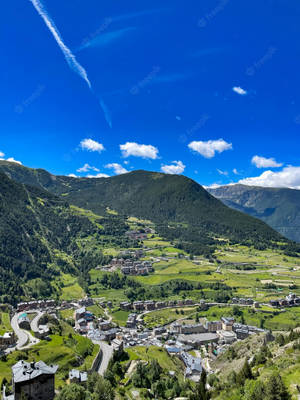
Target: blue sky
<point>209,89</point>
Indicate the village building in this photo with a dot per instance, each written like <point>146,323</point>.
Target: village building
<point>6,340</point>
<point>227,336</point>
<point>131,321</point>
<point>193,365</point>
<point>79,377</point>
<point>104,325</point>
<point>35,381</point>
<point>86,302</point>
<point>43,331</point>
<point>24,322</point>
<point>125,306</point>
<point>227,323</point>
<point>198,339</point>
<point>213,326</point>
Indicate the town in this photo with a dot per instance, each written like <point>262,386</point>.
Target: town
<point>206,338</point>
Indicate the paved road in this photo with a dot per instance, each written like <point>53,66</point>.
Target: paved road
<point>35,322</point>
<point>107,353</point>
<point>25,339</point>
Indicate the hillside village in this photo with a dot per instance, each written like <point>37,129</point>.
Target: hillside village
<point>192,332</point>
<point>206,339</point>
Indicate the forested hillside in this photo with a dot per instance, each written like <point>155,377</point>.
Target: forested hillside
<point>278,207</point>
<point>38,240</point>
<point>194,215</point>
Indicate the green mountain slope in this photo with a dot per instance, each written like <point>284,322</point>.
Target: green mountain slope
<point>279,208</point>
<point>39,236</point>
<point>159,197</point>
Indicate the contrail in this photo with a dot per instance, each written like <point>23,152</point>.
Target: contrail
<point>106,112</point>
<point>69,56</point>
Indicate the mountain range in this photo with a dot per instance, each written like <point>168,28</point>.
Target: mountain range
<point>278,207</point>
<point>56,224</point>
<point>155,196</point>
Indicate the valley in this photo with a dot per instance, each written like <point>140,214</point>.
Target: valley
<point>132,295</point>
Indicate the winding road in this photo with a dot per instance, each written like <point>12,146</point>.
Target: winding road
<point>25,338</point>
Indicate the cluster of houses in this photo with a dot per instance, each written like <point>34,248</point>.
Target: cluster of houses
<point>141,234</point>
<point>130,266</point>
<point>150,305</point>
<point>36,305</point>
<point>95,328</point>
<point>224,331</point>
<point>289,301</point>
<point>242,301</point>
<point>137,267</point>
<point>83,320</point>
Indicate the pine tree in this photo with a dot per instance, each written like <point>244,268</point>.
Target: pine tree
<point>275,388</point>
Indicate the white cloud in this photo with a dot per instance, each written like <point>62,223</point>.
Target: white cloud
<point>225,173</point>
<point>239,90</point>
<point>262,162</point>
<point>288,177</point>
<point>208,149</point>
<point>91,145</point>
<point>118,168</point>
<point>235,171</point>
<point>87,168</point>
<point>73,176</point>
<point>11,159</point>
<point>100,175</point>
<point>177,167</point>
<point>212,186</point>
<point>139,150</point>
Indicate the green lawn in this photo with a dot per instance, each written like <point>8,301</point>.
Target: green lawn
<point>67,314</point>
<point>4,323</point>
<point>166,316</point>
<point>120,317</point>
<point>156,353</point>
<point>70,289</point>
<point>283,321</point>
<point>96,310</point>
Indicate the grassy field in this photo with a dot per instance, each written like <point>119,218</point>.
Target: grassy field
<point>166,316</point>
<point>63,351</point>
<point>156,353</point>
<point>4,323</point>
<point>96,310</point>
<point>67,314</point>
<point>70,289</point>
<point>87,213</point>
<point>120,317</point>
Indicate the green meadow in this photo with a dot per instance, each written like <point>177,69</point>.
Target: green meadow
<point>4,323</point>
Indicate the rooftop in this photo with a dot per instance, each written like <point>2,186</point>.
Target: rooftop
<point>24,371</point>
